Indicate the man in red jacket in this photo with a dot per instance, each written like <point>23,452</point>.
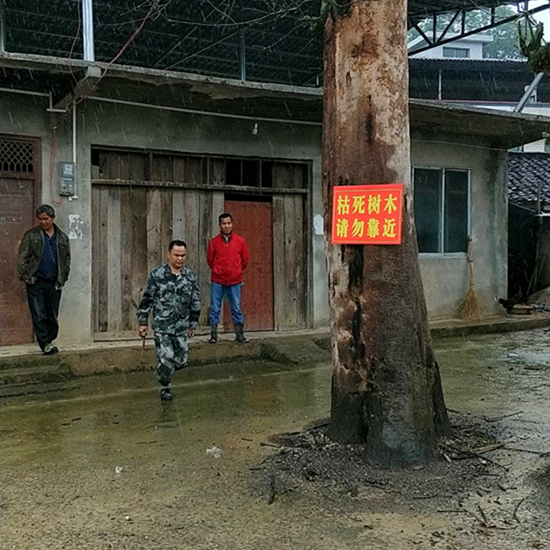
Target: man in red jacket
<point>227,257</point>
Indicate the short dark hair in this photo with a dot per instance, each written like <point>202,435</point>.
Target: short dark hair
<point>45,209</point>
<point>223,216</point>
<point>176,242</point>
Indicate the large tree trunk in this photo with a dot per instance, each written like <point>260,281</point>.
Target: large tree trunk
<point>386,389</point>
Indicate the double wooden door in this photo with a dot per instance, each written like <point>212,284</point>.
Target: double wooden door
<point>140,202</point>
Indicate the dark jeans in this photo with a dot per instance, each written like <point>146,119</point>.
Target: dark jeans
<point>44,305</point>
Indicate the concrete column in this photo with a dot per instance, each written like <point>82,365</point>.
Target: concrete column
<point>242,56</point>
<point>88,29</point>
<point>2,26</point>
<point>242,46</point>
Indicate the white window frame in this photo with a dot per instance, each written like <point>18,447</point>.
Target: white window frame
<point>444,169</point>
<point>456,49</point>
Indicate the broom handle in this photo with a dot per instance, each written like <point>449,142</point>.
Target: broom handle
<point>471,261</point>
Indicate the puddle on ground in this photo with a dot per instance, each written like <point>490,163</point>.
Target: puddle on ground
<point>110,466</point>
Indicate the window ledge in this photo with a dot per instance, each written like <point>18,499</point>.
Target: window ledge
<point>442,256</point>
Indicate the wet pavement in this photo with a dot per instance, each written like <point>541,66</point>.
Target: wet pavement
<point>495,375</point>
<point>107,465</point>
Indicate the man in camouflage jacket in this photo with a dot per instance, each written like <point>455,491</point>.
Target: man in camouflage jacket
<point>172,293</point>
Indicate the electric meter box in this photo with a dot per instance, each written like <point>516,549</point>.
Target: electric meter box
<point>67,178</point>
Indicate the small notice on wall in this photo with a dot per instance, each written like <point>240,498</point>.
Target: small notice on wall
<point>367,214</point>
<point>75,226</point>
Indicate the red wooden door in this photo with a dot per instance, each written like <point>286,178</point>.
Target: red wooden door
<point>253,221</point>
<point>16,216</point>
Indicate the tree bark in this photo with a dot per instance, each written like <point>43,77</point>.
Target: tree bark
<point>386,388</point>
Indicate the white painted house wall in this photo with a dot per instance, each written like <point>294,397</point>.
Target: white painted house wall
<point>474,45</point>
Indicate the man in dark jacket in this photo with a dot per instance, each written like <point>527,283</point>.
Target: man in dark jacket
<point>172,293</point>
<point>44,262</point>
<point>227,257</point>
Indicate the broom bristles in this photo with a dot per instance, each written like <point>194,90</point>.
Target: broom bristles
<point>470,308</point>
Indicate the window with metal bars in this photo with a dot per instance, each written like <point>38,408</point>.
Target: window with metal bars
<point>16,156</point>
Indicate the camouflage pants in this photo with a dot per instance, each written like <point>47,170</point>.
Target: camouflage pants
<point>172,354</point>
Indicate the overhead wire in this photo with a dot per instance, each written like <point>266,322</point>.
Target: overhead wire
<point>60,118</point>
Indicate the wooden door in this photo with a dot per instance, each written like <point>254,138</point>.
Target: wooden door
<point>253,221</point>
<point>16,217</point>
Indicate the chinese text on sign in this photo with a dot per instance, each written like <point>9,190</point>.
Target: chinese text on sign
<point>367,214</point>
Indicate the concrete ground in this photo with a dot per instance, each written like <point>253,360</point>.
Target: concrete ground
<point>25,364</point>
<point>102,463</point>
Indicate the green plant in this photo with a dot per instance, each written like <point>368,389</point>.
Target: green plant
<point>329,8</point>
<point>532,45</point>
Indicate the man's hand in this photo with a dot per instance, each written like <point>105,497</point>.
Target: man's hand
<point>142,331</point>
<point>191,332</point>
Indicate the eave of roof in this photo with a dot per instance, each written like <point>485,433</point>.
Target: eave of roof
<point>156,77</point>
<point>419,9</point>
<point>458,61</point>
<point>503,130</point>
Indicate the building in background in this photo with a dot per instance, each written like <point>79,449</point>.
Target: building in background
<point>460,48</point>
<point>461,73</point>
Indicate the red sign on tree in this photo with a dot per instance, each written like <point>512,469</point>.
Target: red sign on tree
<point>367,214</point>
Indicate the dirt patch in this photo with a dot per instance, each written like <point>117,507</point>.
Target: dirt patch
<point>308,461</point>
<point>480,491</point>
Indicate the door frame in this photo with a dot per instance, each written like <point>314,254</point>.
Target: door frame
<point>35,176</point>
<point>207,185</point>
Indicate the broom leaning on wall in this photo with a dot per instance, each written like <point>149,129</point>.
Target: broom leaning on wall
<point>470,308</point>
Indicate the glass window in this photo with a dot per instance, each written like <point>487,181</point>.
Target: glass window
<point>441,209</point>
<point>456,52</point>
<point>456,211</point>
<point>427,208</point>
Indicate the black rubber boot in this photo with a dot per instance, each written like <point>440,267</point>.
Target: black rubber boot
<point>239,334</point>
<point>166,394</point>
<point>213,334</point>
